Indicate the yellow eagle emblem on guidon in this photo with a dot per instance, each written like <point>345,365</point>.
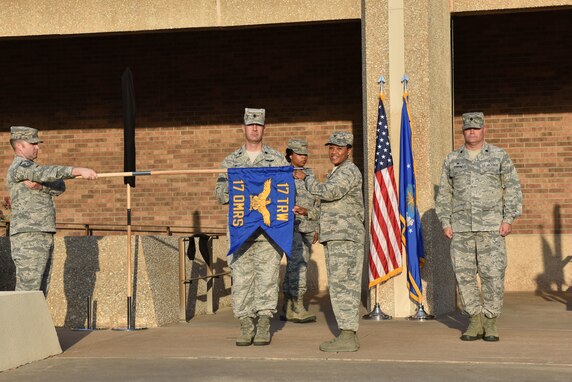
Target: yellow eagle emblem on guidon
<point>260,201</point>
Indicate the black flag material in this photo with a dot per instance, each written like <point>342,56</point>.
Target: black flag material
<point>128,97</point>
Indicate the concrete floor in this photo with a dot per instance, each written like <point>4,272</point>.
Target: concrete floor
<point>535,330</point>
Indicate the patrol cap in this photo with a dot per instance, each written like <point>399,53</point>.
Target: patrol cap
<point>474,120</point>
<point>254,116</point>
<point>341,138</point>
<point>24,133</point>
<point>299,146</point>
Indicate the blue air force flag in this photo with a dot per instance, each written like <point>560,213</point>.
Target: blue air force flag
<point>261,197</point>
<point>411,232</point>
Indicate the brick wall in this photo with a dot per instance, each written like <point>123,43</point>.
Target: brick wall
<point>516,69</point>
<point>191,88</point>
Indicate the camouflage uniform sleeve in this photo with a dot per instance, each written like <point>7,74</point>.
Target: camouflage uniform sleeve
<point>512,198</point>
<point>335,187</point>
<point>221,187</point>
<point>443,206</point>
<point>314,212</point>
<point>54,188</point>
<point>29,170</point>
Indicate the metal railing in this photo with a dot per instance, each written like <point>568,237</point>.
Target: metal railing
<point>205,249</point>
<point>170,230</point>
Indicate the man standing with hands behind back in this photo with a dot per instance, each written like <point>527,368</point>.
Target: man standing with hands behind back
<point>33,223</point>
<point>479,198</point>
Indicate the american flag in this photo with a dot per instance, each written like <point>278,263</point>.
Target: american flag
<point>385,234</point>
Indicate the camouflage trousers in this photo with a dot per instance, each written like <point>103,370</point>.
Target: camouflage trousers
<point>297,264</point>
<point>483,253</point>
<point>255,272</point>
<point>344,264</point>
<point>32,254</point>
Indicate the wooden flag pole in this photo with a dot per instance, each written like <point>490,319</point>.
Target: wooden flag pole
<point>160,172</point>
<point>130,324</point>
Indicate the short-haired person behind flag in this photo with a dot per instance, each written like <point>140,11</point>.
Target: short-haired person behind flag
<point>256,264</point>
<point>412,237</point>
<point>479,198</point>
<point>305,234</point>
<point>342,234</point>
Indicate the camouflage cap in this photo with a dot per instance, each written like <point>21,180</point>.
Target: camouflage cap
<point>475,120</point>
<point>24,133</point>
<point>299,146</point>
<point>254,116</point>
<point>341,138</point>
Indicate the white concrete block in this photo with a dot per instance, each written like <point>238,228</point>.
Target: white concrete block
<point>27,331</point>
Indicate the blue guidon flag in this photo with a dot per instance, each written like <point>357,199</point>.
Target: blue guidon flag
<point>261,197</point>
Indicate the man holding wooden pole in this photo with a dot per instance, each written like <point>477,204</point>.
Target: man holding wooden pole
<point>33,223</point>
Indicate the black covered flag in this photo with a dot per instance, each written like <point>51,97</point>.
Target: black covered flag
<point>128,98</point>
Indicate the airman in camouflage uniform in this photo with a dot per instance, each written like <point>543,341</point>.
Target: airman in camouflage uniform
<point>255,265</point>
<point>341,223</point>
<point>479,198</point>
<point>305,234</point>
<point>33,222</point>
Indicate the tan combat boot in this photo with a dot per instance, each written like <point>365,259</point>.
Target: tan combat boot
<point>490,328</point>
<point>287,308</point>
<point>347,341</point>
<point>262,331</point>
<point>475,329</point>
<point>301,315</point>
<point>246,332</point>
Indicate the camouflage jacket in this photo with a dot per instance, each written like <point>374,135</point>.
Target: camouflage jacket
<point>341,203</point>
<point>305,199</point>
<point>479,194</point>
<point>34,210</point>
<point>267,158</point>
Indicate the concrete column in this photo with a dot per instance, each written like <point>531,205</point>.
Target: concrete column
<point>382,47</point>
<point>399,37</point>
<point>428,65</point>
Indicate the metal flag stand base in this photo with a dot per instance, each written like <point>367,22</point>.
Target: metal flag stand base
<point>129,327</point>
<point>421,315</point>
<point>90,327</point>
<point>377,314</point>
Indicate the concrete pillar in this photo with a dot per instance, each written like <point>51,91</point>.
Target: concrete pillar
<point>401,37</point>
<point>382,39</point>
<point>428,64</point>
